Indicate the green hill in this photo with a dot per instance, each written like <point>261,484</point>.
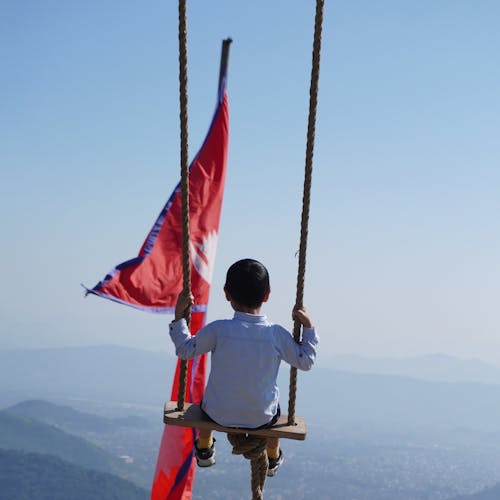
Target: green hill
<point>125,446</point>
<point>24,476</point>
<point>26,434</point>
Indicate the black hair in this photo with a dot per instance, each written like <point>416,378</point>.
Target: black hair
<point>247,281</point>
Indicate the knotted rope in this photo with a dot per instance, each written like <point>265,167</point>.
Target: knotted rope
<point>253,448</point>
<point>186,267</point>
<point>306,198</point>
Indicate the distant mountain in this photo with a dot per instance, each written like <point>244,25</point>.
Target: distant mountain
<point>118,450</point>
<point>71,420</point>
<point>435,367</point>
<point>24,476</point>
<point>26,434</point>
<point>332,397</point>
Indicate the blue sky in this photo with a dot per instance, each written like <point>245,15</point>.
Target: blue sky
<point>404,240</point>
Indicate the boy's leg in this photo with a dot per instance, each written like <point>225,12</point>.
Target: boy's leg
<point>275,456</point>
<point>273,447</point>
<point>205,439</point>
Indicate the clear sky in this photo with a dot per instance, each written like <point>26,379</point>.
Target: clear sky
<point>404,244</point>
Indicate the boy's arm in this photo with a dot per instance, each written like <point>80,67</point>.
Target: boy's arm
<point>300,355</point>
<point>303,355</point>
<point>188,346</point>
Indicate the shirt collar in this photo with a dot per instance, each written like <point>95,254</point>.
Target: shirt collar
<point>250,318</point>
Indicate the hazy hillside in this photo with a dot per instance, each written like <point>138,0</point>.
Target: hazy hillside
<point>126,447</point>
<point>21,433</point>
<point>25,476</point>
<point>130,443</point>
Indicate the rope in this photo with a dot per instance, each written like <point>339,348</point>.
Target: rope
<point>183,96</point>
<point>253,448</point>
<point>306,198</point>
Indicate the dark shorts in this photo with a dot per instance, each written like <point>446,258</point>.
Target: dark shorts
<point>265,426</point>
<point>273,420</point>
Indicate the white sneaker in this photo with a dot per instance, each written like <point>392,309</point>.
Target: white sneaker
<point>205,457</point>
<point>275,464</point>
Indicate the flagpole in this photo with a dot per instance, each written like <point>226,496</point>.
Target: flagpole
<point>224,60</point>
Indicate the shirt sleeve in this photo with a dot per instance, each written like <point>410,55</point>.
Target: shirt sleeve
<point>188,346</point>
<point>300,355</point>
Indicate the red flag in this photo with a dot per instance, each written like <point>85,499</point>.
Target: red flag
<point>153,279</point>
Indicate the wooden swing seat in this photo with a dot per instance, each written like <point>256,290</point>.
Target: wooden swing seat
<point>193,416</point>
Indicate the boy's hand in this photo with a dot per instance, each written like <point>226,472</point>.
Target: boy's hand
<point>301,315</point>
<point>184,302</point>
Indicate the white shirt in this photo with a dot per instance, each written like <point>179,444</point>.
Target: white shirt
<point>242,390</point>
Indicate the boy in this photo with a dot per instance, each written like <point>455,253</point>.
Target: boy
<point>246,353</point>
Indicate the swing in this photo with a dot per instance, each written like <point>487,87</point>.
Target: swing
<point>193,416</point>
<point>182,414</point>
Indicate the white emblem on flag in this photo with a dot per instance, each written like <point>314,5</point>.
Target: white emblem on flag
<point>203,255</point>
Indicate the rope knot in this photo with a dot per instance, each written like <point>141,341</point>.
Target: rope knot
<point>253,448</point>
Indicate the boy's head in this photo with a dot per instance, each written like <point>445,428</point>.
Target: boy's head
<point>247,282</point>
